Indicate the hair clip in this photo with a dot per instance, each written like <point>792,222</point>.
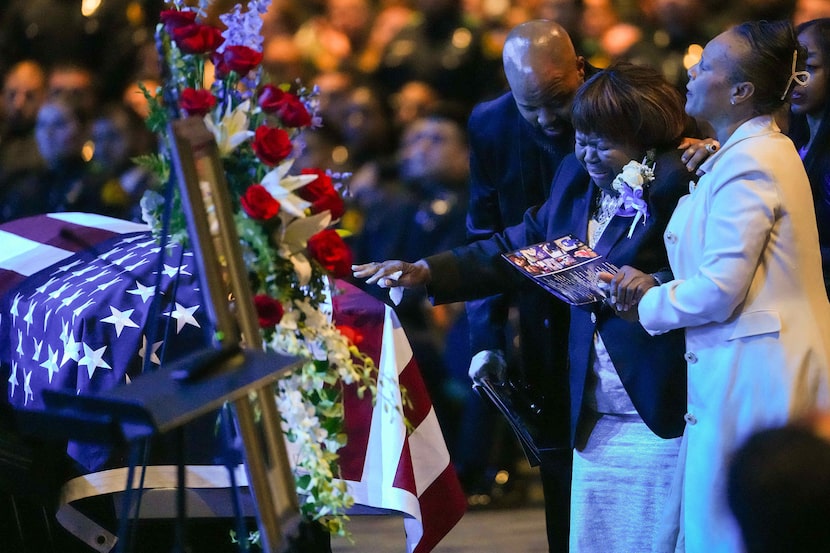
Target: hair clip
<point>800,77</point>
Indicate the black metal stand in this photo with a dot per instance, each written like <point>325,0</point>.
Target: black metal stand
<point>154,403</point>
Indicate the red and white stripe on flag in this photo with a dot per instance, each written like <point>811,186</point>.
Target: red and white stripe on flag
<point>387,469</point>
<point>34,243</point>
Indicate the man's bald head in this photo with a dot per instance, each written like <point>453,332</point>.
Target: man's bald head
<point>543,72</point>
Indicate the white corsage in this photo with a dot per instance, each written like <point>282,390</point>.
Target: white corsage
<point>631,184</point>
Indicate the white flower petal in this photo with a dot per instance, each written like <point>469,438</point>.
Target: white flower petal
<point>302,267</point>
<point>299,231</point>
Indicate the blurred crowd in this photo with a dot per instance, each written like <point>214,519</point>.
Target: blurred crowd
<point>397,80</point>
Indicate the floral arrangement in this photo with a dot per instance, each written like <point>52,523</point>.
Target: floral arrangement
<point>284,218</point>
<point>631,184</point>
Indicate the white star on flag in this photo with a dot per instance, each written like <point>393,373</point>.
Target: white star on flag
<point>13,310</point>
<point>134,266</point>
<point>51,363</point>
<point>102,274</point>
<point>143,351</point>
<point>46,319</point>
<point>146,292</point>
<point>78,310</point>
<point>171,271</point>
<point>47,284</point>
<point>121,260</point>
<point>135,238</point>
<point>29,318</point>
<point>106,285</point>
<point>71,350</point>
<point>38,347</point>
<point>54,294</point>
<point>19,342</point>
<point>67,267</point>
<point>93,358</point>
<point>112,252</point>
<point>13,378</point>
<point>183,316</point>
<point>84,271</point>
<point>27,387</point>
<point>120,319</point>
<point>66,301</point>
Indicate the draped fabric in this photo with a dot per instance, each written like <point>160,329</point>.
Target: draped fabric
<point>76,313</point>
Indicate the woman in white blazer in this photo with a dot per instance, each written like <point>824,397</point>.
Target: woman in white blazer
<point>748,289</point>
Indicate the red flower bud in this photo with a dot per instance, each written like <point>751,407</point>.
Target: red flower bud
<point>259,204</point>
<point>331,252</point>
<point>287,106</point>
<point>271,145</point>
<point>270,98</point>
<point>269,311</point>
<point>240,59</point>
<point>197,102</point>
<point>322,195</point>
<point>197,38</point>
<point>174,19</point>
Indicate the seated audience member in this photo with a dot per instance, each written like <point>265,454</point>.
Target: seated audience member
<point>412,101</point>
<point>63,184</point>
<point>118,134</point>
<point>24,90</point>
<point>778,488</point>
<point>810,127</point>
<point>627,388</point>
<point>74,84</point>
<point>333,98</point>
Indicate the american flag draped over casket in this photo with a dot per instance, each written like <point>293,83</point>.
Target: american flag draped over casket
<point>76,313</point>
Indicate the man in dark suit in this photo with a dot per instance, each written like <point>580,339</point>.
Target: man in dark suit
<point>517,141</point>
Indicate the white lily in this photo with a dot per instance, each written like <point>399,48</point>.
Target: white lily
<point>232,130</point>
<point>281,186</point>
<point>295,234</point>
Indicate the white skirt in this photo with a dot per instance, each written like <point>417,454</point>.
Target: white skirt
<point>621,480</point>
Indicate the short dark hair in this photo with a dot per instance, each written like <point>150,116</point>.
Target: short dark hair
<point>769,62</point>
<point>631,104</point>
<point>778,488</point>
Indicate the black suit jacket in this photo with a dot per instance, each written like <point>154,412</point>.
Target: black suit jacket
<point>511,168</point>
<point>651,368</point>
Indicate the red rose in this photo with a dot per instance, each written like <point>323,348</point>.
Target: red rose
<point>331,252</point>
<point>270,98</point>
<point>322,195</point>
<point>271,145</point>
<point>293,113</point>
<point>240,59</point>
<point>197,38</point>
<point>269,311</point>
<point>175,19</point>
<point>351,334</point>
<point>259,204</point>
<point>197,102</point>
<point>287,106</point>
